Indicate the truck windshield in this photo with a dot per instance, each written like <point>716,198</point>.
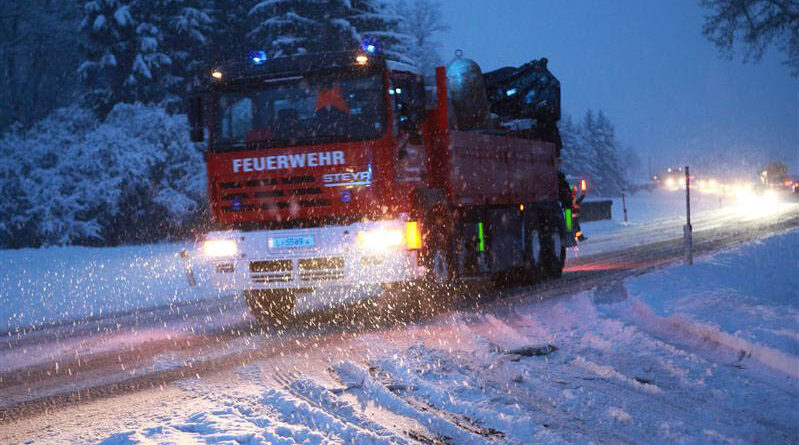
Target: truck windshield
<point>301,111</point>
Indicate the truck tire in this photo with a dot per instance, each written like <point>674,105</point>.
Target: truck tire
<point>534,252</point>
<point>273,308</point>
<point>438,252</point>
<point>439,267</point>
<point>554,254</point>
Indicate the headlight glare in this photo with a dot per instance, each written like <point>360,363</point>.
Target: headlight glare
<point>380,239</point>
<point>219,248</point>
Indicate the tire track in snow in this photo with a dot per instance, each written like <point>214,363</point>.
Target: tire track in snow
<point>446,429</point>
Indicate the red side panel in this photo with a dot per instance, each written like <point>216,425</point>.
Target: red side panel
<point>496,169</point>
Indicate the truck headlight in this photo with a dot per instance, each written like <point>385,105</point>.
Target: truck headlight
<point>218,248</point>
<point>380,239</point>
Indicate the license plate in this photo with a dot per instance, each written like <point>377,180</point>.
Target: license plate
<point>291,241</point>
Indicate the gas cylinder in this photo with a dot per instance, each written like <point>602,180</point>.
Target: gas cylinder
<point>467,92</point>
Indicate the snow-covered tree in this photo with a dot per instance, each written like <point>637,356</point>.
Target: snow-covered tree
<point>422,21</point>
<point>232,23</point>
<point>288,27</point>
<point>38,58</point>
<point>382,21</point>
<point>72,178</point>
<point>188,26</point>
<point>569,153</point>
<point>608,151</point>
<point>591,151</point>
<point>139,51</point>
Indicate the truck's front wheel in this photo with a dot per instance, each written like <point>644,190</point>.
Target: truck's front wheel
<point>438,267</point>
<point>273,307</point>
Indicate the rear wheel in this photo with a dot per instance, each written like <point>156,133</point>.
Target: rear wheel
<point>533,252</point>
<point>272,307</point>
<point>554,255</point>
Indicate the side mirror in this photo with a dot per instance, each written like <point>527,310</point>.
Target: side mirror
<point>411,106</point>
<point>196,118</point>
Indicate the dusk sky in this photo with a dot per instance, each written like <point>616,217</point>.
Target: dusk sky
<point>648,66</point>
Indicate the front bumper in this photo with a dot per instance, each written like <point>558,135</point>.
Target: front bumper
<point>334,269</point>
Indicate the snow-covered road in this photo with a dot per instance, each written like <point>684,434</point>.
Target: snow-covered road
<point>682,355</point>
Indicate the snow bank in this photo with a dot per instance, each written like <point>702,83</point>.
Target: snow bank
<point>746,300</point>
<point>61,284</point>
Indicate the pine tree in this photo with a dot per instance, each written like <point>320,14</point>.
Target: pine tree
<point>121,53</point>
<point>570,151</point>
<point>608,155</point>
<point>38,55</point>
<point>232,24</point>
<point>586,152</point>
<point>288,27</point>
<point>139,51</point>
<point>381,21</point>
<point>187,26</point>
<point>422,20</point>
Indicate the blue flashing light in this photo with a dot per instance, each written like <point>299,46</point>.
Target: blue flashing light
<point>257,57</point>
<point>370,45</point>
<point>511,91</point>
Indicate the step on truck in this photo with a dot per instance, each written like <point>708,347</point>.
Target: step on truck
<point>333,177</point>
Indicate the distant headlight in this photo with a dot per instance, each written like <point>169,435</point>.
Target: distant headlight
<point>380,239</point>
<point>219,248</point>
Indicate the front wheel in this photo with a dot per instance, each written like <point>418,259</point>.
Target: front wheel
<point>439,272</point>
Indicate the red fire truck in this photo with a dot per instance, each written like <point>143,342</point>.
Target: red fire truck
<point>333,177</point>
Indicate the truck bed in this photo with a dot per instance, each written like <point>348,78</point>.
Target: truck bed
<point>498,169</point>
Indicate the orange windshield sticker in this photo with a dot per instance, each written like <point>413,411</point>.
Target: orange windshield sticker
<point>332,97</point>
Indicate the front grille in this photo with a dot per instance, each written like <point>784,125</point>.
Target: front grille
<point>283,277</point>
<point>233,196</point>
<point>261,182</point>
<point>276,271</point>
<point>321,269</point>
<point>251,196</point>
<point>270,266</point>
<point>297,179</point>
<point>271,194</point>
<point>308,191</point>
<point>315,202</point>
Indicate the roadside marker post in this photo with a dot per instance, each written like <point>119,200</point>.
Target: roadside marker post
<point>189,268</point>
<point>687,229</point>
<point>624,202</point>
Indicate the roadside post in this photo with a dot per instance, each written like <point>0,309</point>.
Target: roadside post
<point>189,268</point>
<point>687,229</point>
<point>624,202</point>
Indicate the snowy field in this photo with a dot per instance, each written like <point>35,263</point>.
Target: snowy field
<point>689,354</point>
<point>68,284</point>
<point>64,284</point>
